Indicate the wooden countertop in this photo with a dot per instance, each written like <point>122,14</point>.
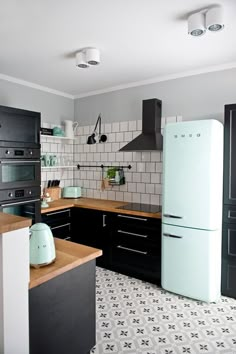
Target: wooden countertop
<point>68,256</point>
<point>97,204</point>
<point>10,222</point>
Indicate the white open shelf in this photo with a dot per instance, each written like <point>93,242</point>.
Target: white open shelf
<point>57,137</point>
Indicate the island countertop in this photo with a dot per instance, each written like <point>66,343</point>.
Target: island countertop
<point>68,256</point>
<point>10,222</point>
<point>97,204</point>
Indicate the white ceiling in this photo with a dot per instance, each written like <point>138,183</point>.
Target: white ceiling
<point>138,40</point>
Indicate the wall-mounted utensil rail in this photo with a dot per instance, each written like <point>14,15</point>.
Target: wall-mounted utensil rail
<point>103,166</point>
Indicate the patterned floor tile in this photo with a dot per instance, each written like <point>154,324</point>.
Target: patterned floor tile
<point>136,317</point>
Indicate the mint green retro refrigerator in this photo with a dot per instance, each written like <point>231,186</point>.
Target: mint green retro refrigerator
<point>192,209</point>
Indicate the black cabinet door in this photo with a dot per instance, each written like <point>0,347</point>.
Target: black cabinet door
<point>92,228</point>
<point>230,154</point>
<point>228,280</point>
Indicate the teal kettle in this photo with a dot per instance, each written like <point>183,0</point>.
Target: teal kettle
<point>42,245</point>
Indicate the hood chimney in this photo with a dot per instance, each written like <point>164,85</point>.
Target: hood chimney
<point>150,138</point>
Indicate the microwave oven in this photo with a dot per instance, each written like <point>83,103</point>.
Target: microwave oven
<point>19,127</point>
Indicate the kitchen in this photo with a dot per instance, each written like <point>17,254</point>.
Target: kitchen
<point>200,93</point>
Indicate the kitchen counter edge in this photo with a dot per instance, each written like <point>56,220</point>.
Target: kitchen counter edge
<point>96,204</point>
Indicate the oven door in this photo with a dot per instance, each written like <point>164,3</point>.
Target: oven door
<point>19,173</point>
<point>30,208</point>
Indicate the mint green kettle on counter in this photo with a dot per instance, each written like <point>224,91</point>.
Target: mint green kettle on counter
<point>42,246</point>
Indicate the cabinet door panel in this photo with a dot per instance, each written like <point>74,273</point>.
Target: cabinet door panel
<point>228,281</point>
<point>230,155</point>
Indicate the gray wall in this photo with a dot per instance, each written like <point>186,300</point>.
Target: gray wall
<point>194,97</point>
<point>53,108</point>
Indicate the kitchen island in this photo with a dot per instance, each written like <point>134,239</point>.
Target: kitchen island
<point>14,279</point>
<point>62,301</point>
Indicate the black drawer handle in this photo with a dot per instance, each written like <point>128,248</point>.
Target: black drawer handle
<point>173,216</point>
<point>131,249</point>
<point>131,233</point>
<point>174,236</point>
<point>131,217</point>
<point>57,227</point>
<point>58,212</point>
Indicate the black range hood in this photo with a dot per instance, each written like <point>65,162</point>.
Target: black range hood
<point>150,138</point>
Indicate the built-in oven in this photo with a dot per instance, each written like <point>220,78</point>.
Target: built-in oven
<point>19,127</point>
<point>19,173</point>
<point>22,202</point>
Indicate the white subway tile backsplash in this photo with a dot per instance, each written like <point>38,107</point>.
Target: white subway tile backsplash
<point>132,125</point>
<point>139,124</point>
<point>136,198</point>
<point>115,147</point>
<point>111,137</point>
<point>171,119</point>
<point>124,126</point>
<point>136,177</point>
<point>108,128</point>
<point>128,136</point>
<point>115,127</point>
<point>140,187</point>
<point>145,198</point>
<point>155,178</point>
<point>150,189</point>
<point>146,177</point>
<point>132,187</point>
<point>143,181</point>
<point>128,156</point>
<point>119,137</point>
<point>150,167</point>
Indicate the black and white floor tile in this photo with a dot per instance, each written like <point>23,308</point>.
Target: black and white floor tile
<point>136,317</point>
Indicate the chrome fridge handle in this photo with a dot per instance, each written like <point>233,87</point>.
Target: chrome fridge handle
<point>173,216</point>
<point>174,236</point>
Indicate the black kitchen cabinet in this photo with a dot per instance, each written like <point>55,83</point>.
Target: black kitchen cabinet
<point>136,247</point>
<point>59,222</point>
<point>228,279</point>
<point>93,228</point>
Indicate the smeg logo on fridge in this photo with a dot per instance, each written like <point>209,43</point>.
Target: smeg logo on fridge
<point>190,135</point>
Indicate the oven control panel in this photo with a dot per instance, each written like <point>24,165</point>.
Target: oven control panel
<point>20,193</point>
<point>19,153</point>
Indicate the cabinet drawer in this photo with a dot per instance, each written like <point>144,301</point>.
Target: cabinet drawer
<point>56,215</point>
<point>62,231</point>
<point>138,221</point>
<point>136,256</point>
<point>137,233</point>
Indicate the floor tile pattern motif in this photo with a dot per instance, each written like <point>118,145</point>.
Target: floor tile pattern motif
<point>136,317</point>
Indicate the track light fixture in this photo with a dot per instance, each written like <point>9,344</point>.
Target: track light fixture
<point>87,57</point>
<point>210,19</point>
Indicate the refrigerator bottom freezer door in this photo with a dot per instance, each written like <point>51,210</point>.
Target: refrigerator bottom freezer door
<point>191,262</point>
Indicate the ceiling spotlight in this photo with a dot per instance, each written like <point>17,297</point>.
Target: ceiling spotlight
<point>92,56</point>
<point>80,60</point>
<point>214,19</point>
<point>87,57</point>
<point>196,24</point>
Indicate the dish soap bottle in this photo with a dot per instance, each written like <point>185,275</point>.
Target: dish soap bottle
<point>117,177</point>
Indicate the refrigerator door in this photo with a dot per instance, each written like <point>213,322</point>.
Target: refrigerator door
<point>191,262</point>
<point>193,174</point>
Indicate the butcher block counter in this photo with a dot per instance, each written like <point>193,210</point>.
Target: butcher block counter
<point>97,204</point>
<point>62,301</point>
<point>68,256</point>
<point>10,222</point>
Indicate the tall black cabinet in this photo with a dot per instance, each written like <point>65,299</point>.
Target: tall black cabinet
<point>228,287</point>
